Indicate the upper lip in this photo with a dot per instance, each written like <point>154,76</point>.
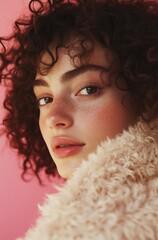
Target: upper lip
<point>64,140</point>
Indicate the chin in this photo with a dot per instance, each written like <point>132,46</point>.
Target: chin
<point>64,174</point>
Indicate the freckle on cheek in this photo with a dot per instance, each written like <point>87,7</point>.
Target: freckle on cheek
<point>99,114</point>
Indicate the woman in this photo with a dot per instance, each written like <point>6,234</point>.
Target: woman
<point>84,92</point>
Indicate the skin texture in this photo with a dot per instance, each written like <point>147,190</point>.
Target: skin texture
<point>82,107</point>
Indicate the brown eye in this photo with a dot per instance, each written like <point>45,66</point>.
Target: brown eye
<point>89,90</point>
<point>45,100</point>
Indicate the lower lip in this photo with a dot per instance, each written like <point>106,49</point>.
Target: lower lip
<point>67,151</point>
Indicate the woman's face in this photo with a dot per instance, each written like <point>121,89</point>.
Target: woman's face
<point>79,109</point>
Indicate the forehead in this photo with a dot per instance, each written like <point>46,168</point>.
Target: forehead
<point>77,52</point>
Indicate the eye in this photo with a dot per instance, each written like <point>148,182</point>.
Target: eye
<point>44,100</point>
<point>89,90</point>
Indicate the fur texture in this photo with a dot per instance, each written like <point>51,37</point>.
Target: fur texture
<point>113,195</point>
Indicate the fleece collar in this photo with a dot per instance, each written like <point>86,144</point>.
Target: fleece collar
<point>113,195</point>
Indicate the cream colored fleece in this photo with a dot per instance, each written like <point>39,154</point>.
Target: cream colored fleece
<point>111,196</point>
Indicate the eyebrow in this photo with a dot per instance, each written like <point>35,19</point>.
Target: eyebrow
<point>74,73</point>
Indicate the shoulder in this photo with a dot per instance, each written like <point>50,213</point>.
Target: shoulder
<point>113,194</point>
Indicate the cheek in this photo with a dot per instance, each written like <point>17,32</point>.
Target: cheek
<point>94,118</point>
<point>98,112</point>
<point>100,117</point>
<point>42,126</point>
<point>105,120</point>
<point>113,119</point>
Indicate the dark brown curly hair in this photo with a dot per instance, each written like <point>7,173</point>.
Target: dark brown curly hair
<point>128,28</point>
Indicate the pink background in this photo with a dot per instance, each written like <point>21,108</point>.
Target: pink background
<point>18,199</point>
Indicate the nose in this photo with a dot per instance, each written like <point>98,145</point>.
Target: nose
<point>60,115</point>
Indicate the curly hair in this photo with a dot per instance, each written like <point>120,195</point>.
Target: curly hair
<point>128,28</point>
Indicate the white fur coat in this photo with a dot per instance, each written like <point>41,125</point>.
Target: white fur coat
<point>112,196</point>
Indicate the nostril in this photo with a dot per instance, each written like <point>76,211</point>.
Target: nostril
<point>62,124</point>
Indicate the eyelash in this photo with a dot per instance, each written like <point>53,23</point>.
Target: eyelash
<point>48,99</point>
<point>90,87</point>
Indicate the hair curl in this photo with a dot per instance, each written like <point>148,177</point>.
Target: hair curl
<point>128,28</point>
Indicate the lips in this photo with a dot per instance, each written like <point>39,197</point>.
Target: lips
<point>64,146</point>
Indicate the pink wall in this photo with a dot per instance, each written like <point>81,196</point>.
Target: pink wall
<point>18,199</point>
